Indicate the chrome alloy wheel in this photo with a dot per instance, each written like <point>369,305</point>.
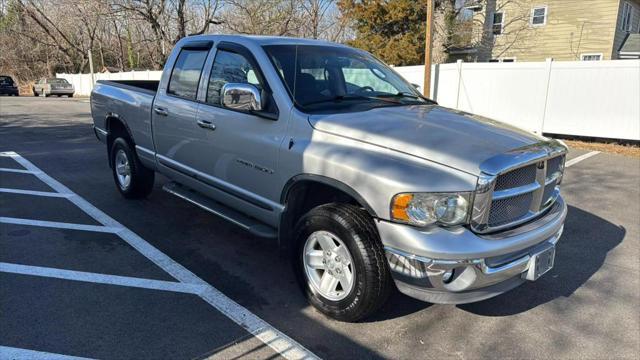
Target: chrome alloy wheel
<point>123,170</point>
<point>328,265</point>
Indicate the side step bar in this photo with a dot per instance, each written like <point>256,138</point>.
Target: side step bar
<point>249,224</point>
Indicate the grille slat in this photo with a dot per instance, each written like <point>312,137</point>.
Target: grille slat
<point>548,191</point>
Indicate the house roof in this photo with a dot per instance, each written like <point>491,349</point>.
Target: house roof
<point>630,45</point>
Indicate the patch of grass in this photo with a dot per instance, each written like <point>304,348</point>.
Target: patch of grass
<point>626,150</point>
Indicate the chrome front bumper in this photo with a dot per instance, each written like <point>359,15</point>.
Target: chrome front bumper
<point>487,266</point>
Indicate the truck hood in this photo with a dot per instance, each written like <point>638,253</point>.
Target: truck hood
<point>449,137</point>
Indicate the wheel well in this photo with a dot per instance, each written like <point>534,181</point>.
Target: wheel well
<point>116,129</point>
<point>305,195</point>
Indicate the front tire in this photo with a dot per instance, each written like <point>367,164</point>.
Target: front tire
<point>340,262</point>
<point>132,179</point>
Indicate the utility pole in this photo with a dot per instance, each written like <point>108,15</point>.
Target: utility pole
<point>426,88</point>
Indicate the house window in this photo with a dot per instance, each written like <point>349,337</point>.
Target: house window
<point>498,23</point>
<point>627,10</point>
<point>539,16</point>
<point>591,57</point>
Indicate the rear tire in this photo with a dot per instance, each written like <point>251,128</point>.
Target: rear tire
<point>133,180</point>
<point>336,243</point>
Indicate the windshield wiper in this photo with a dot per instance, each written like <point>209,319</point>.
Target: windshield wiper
<point>402,94</point>
<point>346,97</point>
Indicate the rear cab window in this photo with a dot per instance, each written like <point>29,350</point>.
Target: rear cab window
<point>186,73</point>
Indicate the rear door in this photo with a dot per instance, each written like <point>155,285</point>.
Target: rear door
<point>178,140</point>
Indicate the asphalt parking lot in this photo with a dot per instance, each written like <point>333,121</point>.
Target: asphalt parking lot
<point>160,278</point>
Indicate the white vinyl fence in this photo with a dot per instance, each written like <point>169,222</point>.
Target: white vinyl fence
<point>581,98</point>
<point>83,85</point>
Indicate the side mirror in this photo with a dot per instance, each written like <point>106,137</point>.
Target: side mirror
<point>239,96</point>
<point>416,86</point>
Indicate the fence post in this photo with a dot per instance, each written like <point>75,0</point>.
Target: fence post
<point>459,68</point>
<point>548,63</point>
<point>436,80</point>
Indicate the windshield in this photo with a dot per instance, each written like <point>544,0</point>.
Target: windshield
<point>336,79</point>
<point>58,81</point>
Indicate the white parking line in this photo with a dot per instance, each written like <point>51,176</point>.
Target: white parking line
<point>580,158</point>
<point>100,278</point>
<point>20,171</point>
<point>35,193</point>
<point>272,337</point>
<point>57,225</point>
<point>12,353</point>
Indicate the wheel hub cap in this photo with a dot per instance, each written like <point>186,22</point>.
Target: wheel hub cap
<point>328,265</point>
<point>123,170</point>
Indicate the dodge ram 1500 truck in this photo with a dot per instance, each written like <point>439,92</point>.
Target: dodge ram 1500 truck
<point>365,183</point>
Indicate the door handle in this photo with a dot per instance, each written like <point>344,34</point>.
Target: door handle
<point>206,124</point>
<point>161,111</point>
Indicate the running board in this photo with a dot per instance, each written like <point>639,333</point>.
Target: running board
<point>249,224</point>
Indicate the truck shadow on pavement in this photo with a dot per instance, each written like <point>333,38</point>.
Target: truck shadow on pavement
<point>581,252</point>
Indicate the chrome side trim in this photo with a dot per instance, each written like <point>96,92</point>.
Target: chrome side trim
<point>221,185</point>
<point>146,151</point>
<point>507,193</point>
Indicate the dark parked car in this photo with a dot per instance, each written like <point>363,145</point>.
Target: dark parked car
<point>8,86</point>
<point>53,86</point>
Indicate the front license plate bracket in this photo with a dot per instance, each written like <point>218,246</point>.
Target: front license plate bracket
<point>541,263</point>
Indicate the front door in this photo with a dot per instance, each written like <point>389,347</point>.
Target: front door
<point>243,147</point>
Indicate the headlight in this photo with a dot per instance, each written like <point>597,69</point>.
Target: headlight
<point>422,209</point>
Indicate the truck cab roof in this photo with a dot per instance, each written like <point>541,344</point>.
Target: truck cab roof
<point>262,40</point>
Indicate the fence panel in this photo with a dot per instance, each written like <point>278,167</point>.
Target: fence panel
<point>596,98</point>
<point>599,99</point>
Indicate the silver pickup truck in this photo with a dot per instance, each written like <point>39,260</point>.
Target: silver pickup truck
<point>363,182</point>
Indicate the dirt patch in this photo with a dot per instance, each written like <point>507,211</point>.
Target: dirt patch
<point>626,150</point>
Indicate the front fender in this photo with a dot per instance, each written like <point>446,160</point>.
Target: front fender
<point>375,173</point>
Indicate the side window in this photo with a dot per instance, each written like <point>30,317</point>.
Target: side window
<point>186,73</point>
<point>229,67</point>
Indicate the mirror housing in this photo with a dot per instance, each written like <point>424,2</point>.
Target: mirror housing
<point>243,97</point>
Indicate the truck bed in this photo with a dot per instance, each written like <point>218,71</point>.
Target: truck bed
<point>129,100</point>
<point>135,85</point>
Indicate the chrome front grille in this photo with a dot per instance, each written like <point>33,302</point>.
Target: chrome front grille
<point>519,192</point>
